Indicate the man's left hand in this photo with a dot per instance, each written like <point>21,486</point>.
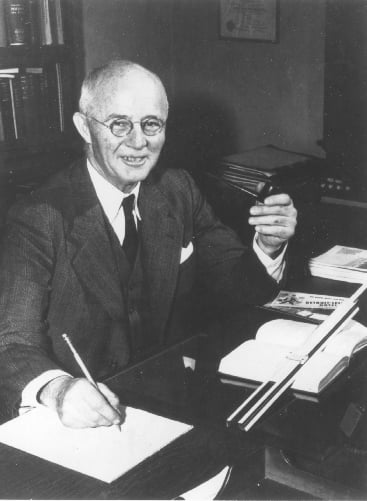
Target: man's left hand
<point>275,221</point>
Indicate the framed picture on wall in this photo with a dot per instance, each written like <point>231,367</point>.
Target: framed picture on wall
<point>249,19</point>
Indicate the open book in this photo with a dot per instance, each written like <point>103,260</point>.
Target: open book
<point>256,360</point>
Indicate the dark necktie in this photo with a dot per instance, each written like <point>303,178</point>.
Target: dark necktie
<point>130,243</point>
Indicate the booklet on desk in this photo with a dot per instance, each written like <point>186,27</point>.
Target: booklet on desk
<point>347,264</point>
<point>104,453</point>
<point>256,360</point>
<point>313,308</point>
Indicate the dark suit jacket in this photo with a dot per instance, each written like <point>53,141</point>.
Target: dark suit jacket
<point>57,273</point>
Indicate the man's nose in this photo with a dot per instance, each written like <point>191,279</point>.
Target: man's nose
<point>137,138</point>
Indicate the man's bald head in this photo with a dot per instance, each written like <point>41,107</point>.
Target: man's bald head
<point>103,80</point>
<point>122,95</point>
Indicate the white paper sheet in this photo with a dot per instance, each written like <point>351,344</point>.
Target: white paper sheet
<point>103,453</point>
<point>209,489</point>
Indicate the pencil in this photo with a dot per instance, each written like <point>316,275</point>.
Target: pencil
<point>82,365</point>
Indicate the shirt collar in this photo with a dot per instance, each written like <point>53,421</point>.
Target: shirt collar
<point>109,196</point>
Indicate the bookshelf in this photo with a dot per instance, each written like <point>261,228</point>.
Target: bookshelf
<point>41,60</point>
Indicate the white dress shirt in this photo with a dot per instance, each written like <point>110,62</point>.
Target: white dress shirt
<point>110,199</point>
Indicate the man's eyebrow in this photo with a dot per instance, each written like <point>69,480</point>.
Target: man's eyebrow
<point>116,115</point>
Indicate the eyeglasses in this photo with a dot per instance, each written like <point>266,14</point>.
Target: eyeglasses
<point>121,127</point>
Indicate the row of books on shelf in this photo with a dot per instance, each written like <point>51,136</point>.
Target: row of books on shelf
<point>31,22</point>
<point>33,103</point>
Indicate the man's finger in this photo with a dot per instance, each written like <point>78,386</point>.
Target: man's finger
<point>111,397</point>
<point>83,405</point>
<point>280,199</point>
<point>285,210</point>
<point>114,401</point>
<point>83,416</point>
<point>273,220</point>
<point>281,232</point>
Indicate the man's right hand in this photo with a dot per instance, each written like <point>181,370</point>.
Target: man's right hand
<point>80,405</point>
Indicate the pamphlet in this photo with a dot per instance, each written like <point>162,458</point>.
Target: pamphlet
<point>313,307</point>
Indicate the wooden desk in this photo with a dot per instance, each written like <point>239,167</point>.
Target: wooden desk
<point>297,452</point>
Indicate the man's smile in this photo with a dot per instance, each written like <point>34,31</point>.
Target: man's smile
<point>134,160</point>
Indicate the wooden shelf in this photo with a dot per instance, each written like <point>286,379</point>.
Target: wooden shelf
<point>343,201</point>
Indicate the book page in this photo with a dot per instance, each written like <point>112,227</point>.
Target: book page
<point>340,256</point>
<point>319,371</point>
<point>253,360</point>
<point>284,332</point>
<point>350,340</point>
<point>104,453</point>
<point>257,360</point>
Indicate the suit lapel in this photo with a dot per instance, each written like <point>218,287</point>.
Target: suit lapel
<point>89,247</point>
<point>161,242</point>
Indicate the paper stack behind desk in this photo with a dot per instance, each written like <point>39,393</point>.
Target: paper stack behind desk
<point>347,264</point>
<point>257,360</point>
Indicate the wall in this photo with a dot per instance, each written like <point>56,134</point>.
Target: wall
<point>226,95</point>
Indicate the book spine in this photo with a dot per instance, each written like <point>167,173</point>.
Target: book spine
<point>43,103</point>
<point>49,97</point>
<point>13,109</point>
<point>51,13</point>
<point>45,23</point>
<point>32,132</point>
<point>57,21</point>
<point>60,96</point>
<point>7,111</point>
<point>17,21</point>
<point>18,106</point>
<point>34,22</point>
<point>2,128</point>
<point>68,103</point>
<point>3,35</point>
<point>34,115</point>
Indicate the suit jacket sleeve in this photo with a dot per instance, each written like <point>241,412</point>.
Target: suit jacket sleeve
<point>230,275</point>
<point>25,274</point>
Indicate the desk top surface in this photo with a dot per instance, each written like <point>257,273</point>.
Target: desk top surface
<point>309,431</point>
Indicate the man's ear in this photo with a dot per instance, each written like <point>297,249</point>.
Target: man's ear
<point>80,122</point>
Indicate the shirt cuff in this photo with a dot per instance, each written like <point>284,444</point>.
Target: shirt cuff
<point>274,267</point>
<point>30,392</point>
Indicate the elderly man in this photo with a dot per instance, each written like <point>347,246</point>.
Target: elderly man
<point>112,251</point>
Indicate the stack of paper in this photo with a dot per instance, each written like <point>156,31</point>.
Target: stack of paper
<point>347,264</point>
<point>103,453</point>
